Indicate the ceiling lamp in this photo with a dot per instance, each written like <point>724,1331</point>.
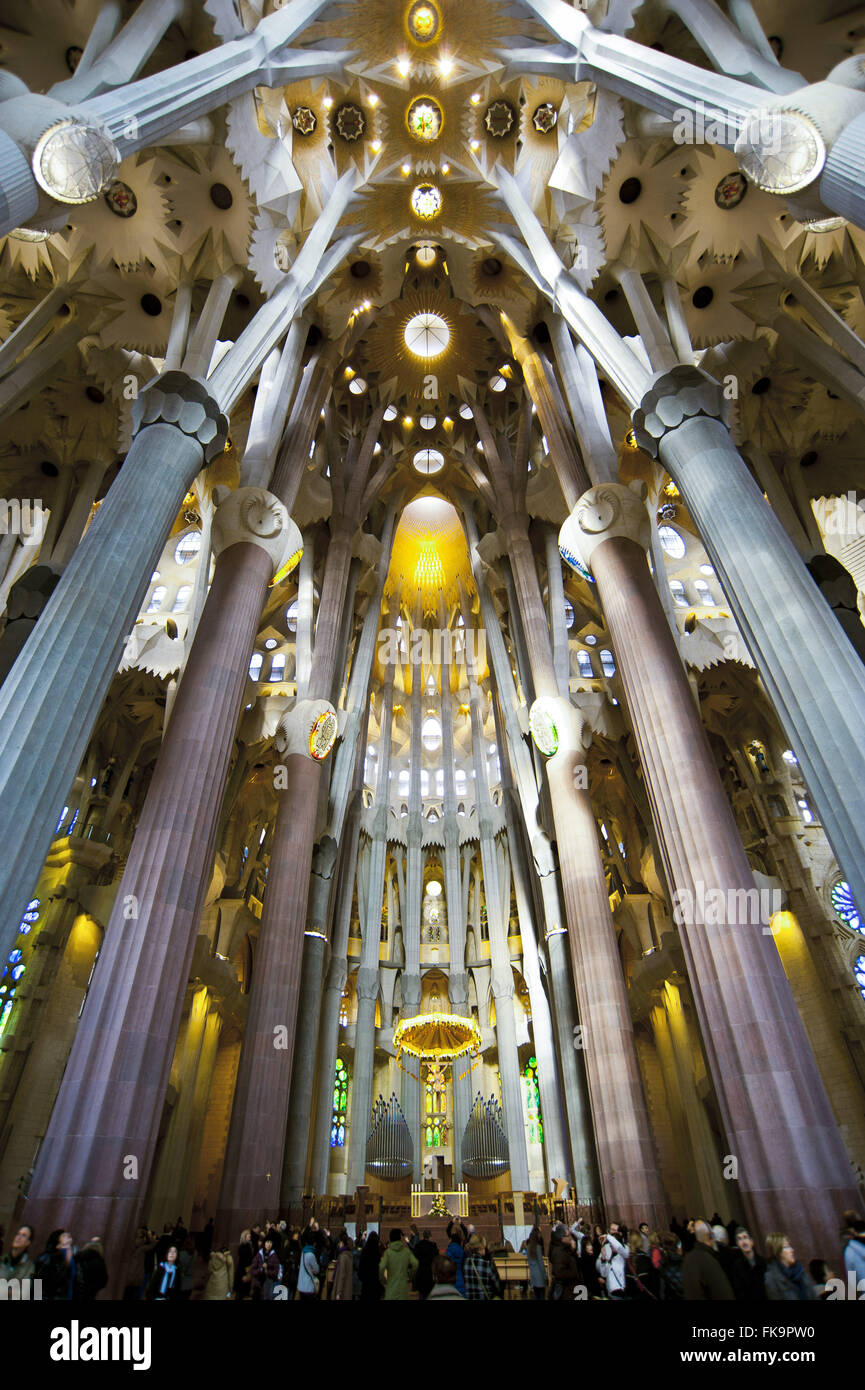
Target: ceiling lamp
<point>424,119</point>
<point>437,1036</point>
<point>426,335</point>
<point>426,201</point>
<point>423,22</point>
<point>434,888</point>
<point>425,256</point>
<point>428,461</point>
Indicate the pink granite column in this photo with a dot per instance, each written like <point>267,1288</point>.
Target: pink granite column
<point>623,1137</point>
<point>96,1158</point>
<point>252,1173</point>
<point>626,1154</point>
<point>793,1169</point>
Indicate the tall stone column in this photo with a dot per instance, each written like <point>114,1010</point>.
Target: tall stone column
<point>328,1032</point>
<point>778,1120</point>
<point>198,1116</point>
<point>252,1175</point>
<point>51,697</point>
<point>624,1141</point>
<point>96,1158</point>
<point>497,895</point>
<point>557,1163</point>
<point>281,939</point>
<point>812,673</point>
<point>367,975</point>
<point>165,1198</point>
<point>571,1058</point>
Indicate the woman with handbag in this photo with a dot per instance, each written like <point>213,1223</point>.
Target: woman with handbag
<point>308,1282</point>
<point>481,1280</point>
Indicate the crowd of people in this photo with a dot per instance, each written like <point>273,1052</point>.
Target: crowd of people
<point>694,1260</point>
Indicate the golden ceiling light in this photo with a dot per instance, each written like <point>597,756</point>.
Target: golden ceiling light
<point>437,1036</point>
<point>426,201</point>
<point>424,119</point>
<point>423,22</point>
<point>425,256</point>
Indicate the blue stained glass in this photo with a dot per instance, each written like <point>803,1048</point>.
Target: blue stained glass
<point>859,972</point>
<point>18,972</point>
<point>845,906</point>
<point>14,957</point>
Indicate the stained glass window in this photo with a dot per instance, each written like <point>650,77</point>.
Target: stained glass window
<point>15,966</point>
<point>533,1101</point>
<point>340,1096</point>
<point>859,972</point>
<point>436,1129</point>
<point>845,907</point>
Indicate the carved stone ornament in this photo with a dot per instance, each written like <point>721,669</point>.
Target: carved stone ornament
<point>611,509</point>
<point>309,728</point>
<point>556,726</point>
<point>75,160</point>
<point>672,398</point>
<point>255,516</point>
<point>173,398</point>
<point>780,151</point>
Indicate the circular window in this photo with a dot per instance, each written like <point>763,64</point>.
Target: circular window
<point>187,547</point>
<point>434,889</point>
<point>426,335</point>
<point>424,119</point>
<point>427,422</point>
<point>671,542</point>
<point>390,413</point>
<point>428,461</point>
<point>423,22</point>
<point>426,201</point>
<point>845,906</point>
<point>426,256</point>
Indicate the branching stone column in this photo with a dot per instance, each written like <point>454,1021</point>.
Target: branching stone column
<point>457,974</point>
<point>818,686</point>
<point>818,691</point>
<point>778,1120</point>
<point>367,975</point>
<point>53,152</point>
<point>318,915</point>
<point>51,697</point>
<point>96,1158</point>
<point>502,979</point>
<point>252,1173</point>
<point>571,1058</point>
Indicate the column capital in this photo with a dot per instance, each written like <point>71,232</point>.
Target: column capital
<point>605,511</point>
<point>174,398</point>
<point>309,728</point>
<point>254,516</point>
<point>367,983</point>
<point>673,397</point>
